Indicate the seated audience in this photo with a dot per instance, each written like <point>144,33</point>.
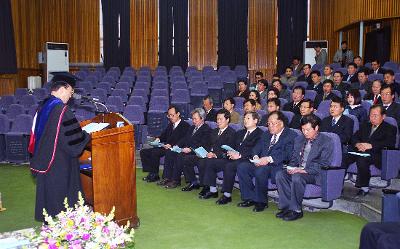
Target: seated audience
<point>354,106</point>
<point>271,151</point>
<point>371,139</point>
<point>339,84</point>
<point>327,73</point>
<point>351,75</point>
<point>338,123</point>
<point>175,130</point>
<point>297,66</point>
<point>262,86</point>
<point>316,84</point>
<point>321,57</point>
<point>288,78</point>
<point>273,105</point>
<point>249,105</point>
<point>362,83</point>
<point>306,74</point>
<point>358,61</point>
<point>327,87</point>
<point>343,55</point>
<point>376,67</point>
<point>242,91</point>
<point>245,140</point>
<point>392,108</point>
<point>256,96</point>
<point>389,79</point>
<point>297,95</point>
<point>258,76</point>
<point>375,95</point>
<point>223,135</point>
<point>311,151</point>
<point>208,108</point>
<point>284,93</point>
<point>196,136</point>
<point>273,93</point>
<point>229,105</point>
<point>306,108</point>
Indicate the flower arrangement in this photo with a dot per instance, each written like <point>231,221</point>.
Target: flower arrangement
<point>80,227</point>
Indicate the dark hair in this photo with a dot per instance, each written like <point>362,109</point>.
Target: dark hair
<point>257,95</point>
<point>376,60</point>
<point>259,73</point>
<point>176,109</point>
<point>276,101</point>
<point>330,67</point>
<point>276,91</point>
<point>352,64</point>
<point>55,87</point>
<point>306,65</point>
<point>252,102</point>
<point>225,112</point>
<point>280,116</point>
<point>264,82</point>
<point>230,99</point>
<point>357,57</point>
<point>316,72</point>
<point>254,115</point>
<point>209,98</point>
<point>343,42</point>
<point>242,80</point>
<point>309,101</point>
<point>275,75</point>
<point>328,81</point>
<point>386,86</point>
<point>289,68</point>
<point>389,71</point>
<point>336,99</point>
<point>356,95</point>
<point>311,119</point>
<point>339,72</point>
<point>364,71</point>
<point>303,91</point>
<point>381,108</point>
<point>296,58</point>
<point>380,82</point>
<point>279,81</point>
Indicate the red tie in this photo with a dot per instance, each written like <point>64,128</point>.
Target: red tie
<point>375,99</point>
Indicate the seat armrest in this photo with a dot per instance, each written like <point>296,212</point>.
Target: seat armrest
<point>332,179</point>
<point>390,164</point>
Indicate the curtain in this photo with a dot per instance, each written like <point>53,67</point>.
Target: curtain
<point>8,61</point>
<point>377,45</point>
<point>232,32</point>
<point>116,37</point>
<point>292,31</point>
<point>173,30</point>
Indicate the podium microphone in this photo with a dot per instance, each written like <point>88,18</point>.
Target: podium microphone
<point>95,101</point>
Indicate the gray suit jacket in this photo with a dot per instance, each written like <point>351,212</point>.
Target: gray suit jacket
<point>320,155</point>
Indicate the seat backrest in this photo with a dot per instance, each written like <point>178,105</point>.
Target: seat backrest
<point>22,123</point>
<point>310,94</point>
<point>337,93</point>
<point>393,121</point>
<point>324,107</point>
<point>336,160</point>
<point>28,100</point>
<point>303,84</point>
<point>356,125</point>
<point>212,124</point>
<point>104,85</point>
<point>236,127</point>
<point>15,110</point>
<point>117,101</point>
<point>7,100</point>
<point>288,115</point>
<point>239,102</point>
<point>4,123</point>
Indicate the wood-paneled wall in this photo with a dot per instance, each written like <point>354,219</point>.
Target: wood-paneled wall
<point>203,32</point>
<point>144,33</point>
<point>325,24</point>
<point>262,40</point>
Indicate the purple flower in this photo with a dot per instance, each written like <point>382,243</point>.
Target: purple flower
<point>69,236</point>
<point>86,236</point>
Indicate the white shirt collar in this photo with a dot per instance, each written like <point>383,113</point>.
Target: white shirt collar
<point>222,131</point>
<point>337,118</point>
<point>251,130</point>
<point>177,123</point>
<point>279,134</point>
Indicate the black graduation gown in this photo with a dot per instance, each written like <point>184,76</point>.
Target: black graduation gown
<point>63,177</point>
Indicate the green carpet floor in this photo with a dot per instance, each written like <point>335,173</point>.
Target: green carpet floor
<point>175,219</point>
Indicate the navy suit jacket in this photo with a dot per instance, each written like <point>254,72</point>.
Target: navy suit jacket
<point>319,98</point>
<point>281,151</point>
<point>171,136</point>
<point>215,141</point>
<point>291,108</point>
<point>245,147</point>
<point>320,154</point>
<point>200,138</point>
<point>353,78</point>
<point>394,111</point>
<point>211,116</point>
<point>319,89</point>
<point>343,128</point>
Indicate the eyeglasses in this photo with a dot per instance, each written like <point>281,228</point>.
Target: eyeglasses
<point>170,115</point>
<point>273,123</point>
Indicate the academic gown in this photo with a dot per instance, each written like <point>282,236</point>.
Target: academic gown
<point>60,179</point>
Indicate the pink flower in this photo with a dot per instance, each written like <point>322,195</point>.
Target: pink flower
<point>69,236</point>
<point>86,236</point>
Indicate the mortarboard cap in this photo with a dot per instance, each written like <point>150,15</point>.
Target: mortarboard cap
<point>60,78</point>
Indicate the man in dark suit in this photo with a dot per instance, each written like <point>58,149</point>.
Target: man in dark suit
<point>339,84</point>
<point>306,74</point>
<point>316,84</point>
<point>245,140</point>
<point>337,122</point>
<point>351,75</point>
<point>375,94</point>
<point>219,136</point>
<point>311,151</point>
<point>306,108</point>
<point>208,105</point>
<point>363,83</point>
<point>297,95</point>
<point>392,108</point>
<point>272,150</point>
<point>376,67</point>
<point>370,139</point>
<point>327,87</point>
<point>198,135</point>
<point>389,79</point>
<point>297,65</point>
<point>176,129</point>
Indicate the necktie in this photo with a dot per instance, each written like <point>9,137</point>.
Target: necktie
<point>219,133</point>
<point>373,129</point>
<point>375,100</point>
<point>195,129</point>
<point>245,136</point>
<point>273,141</point>
<point>333,122</point>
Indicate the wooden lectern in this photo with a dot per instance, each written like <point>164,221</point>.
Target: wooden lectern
<point>112,179</point>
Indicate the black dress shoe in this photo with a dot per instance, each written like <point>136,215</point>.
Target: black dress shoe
<point>223,200</point>
<point>172,184</point>
<point>204,190</point>
<point>362,193</point>
<point>209,195</point>
<point>246,204</point>
<point>282,213</point>
<point>152,178</point>
<point>146,177</point>
<point>292,215</point>
<point>259,207</point>
<point>190,187</point>
<point>163,182</point>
